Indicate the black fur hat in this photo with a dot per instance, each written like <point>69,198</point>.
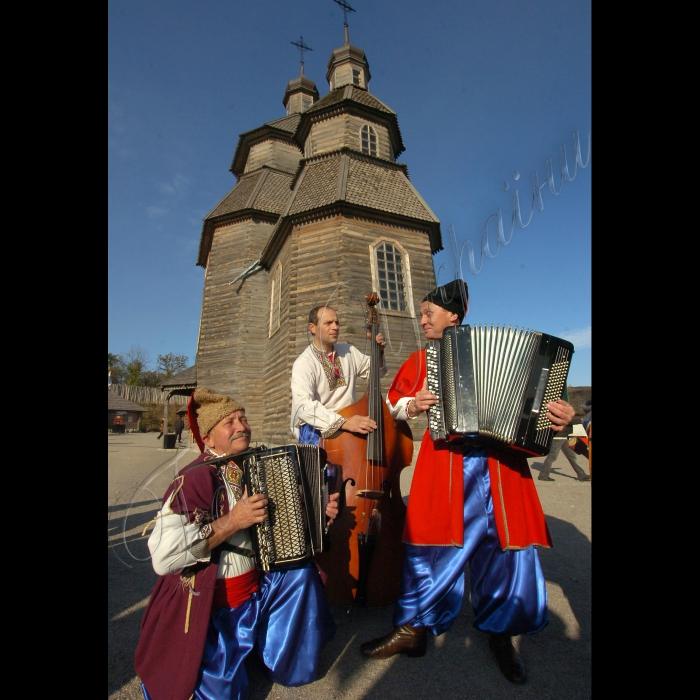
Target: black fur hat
<point>452,296</point>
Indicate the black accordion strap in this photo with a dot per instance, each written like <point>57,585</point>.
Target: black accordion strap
<point>237,550</point>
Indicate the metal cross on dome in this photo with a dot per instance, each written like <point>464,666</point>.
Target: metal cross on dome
<point>302,47</point>
<point>346,8</point>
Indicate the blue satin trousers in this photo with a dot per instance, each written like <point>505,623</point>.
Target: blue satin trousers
<point>308,435</point>
<point>287,622</point>
<point>508,589</point>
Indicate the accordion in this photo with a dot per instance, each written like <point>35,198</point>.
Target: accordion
<point>292,478</point>
<point>493,384</point>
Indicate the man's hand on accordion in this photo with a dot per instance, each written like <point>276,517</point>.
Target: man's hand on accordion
<point>332,508</point>
<point>560,413</point>
<point>249,510</point>
<point>422,401</point>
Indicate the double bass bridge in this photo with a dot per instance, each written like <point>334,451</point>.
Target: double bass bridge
<point>369,493</point>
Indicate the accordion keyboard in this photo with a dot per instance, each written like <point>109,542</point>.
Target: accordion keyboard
<point>436,418</point>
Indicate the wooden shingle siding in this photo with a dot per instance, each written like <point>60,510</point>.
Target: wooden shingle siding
<point>344,131</point>
<point>276,154</point>
<point>328,262</point>
<point>233,320</point>
<point>275,384</point>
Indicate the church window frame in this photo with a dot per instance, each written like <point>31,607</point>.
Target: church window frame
<point>391,277</point>
<point>357,77</point>
<point>368,140</point>
<point>275,300</point>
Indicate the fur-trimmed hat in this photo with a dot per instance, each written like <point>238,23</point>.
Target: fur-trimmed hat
<point>206,408</point>
<point>452,296</point>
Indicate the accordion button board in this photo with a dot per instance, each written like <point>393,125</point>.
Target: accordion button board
<point>291,477</point>
<point>493,384</point>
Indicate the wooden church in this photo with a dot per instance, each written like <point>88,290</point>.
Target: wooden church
<point>322,213</point>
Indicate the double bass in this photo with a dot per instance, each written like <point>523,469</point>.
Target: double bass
<point>364,550</point>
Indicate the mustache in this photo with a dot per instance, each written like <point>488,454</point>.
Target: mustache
<point>243,433</point>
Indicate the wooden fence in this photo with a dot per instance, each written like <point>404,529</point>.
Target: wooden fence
<point>145,394</point>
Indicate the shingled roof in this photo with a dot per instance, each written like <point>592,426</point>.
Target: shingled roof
<point>262,192</point>
<point>348,178</point>
<point>349,92</point>
<point>265,189</point>
<point>117,403</point>
<point>361,180</point>
<point>187,379</point>
<point>290,122</point>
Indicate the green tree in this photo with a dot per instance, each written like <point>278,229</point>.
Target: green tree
<point>150,378</point>
<point>115,363</point>
<point>135,363</point>
<point>170,364</point>
<point>133,373</point>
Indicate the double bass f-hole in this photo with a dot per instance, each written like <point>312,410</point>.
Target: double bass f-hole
<point>342,497</point>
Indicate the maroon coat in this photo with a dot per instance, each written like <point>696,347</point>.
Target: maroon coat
<point>174,624</point>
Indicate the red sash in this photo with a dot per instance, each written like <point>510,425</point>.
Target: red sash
<point>232,592</point>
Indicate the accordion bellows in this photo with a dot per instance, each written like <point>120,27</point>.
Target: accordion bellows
<point>493,384</point>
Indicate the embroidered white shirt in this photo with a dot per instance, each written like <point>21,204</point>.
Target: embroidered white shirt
<point>317,393</point>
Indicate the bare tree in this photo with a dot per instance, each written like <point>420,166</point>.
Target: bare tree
<point>171,364</point>
<point>137,354</point>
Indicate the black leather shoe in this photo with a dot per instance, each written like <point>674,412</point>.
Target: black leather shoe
<point>585,477</point>
<point>509,661</point>
<point>544,477</point>
<point>408,640</point>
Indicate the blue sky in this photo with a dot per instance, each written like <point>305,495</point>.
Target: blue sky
<point>482,90</point>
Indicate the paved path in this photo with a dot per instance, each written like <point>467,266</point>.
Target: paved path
<point>458,663</point>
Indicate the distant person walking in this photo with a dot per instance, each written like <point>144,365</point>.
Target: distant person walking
<point>162,427</point>
<point>560,443</point>
<point>587,418</point>
<point>179,427</point>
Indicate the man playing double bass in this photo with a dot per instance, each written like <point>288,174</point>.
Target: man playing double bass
<point>324,379</point>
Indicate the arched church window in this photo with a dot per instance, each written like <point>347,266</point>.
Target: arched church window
<point>275,299</point>
<point>368,139</point>
<point>391,277</point>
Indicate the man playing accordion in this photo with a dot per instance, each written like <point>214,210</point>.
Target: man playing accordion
<point>211,606</point>
<point>469,504</point>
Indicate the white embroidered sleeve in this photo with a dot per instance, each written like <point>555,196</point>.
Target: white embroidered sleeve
<point>170,542</point>
<point>400,410</point>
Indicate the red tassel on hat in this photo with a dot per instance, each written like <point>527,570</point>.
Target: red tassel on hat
<point>192,407</point>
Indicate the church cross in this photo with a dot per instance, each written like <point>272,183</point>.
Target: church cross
<point>302,47</point>
<point>346,8</point>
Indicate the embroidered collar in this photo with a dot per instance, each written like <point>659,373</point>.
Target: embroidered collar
<point>331,368</point>
<point>211,453</point>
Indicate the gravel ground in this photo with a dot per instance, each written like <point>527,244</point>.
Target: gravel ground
<point>458,663</point>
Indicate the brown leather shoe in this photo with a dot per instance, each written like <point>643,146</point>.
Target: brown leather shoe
<point>509,661</point>
<point>408,640</point>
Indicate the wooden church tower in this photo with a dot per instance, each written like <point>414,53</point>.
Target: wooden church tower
<point>321,214</point>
